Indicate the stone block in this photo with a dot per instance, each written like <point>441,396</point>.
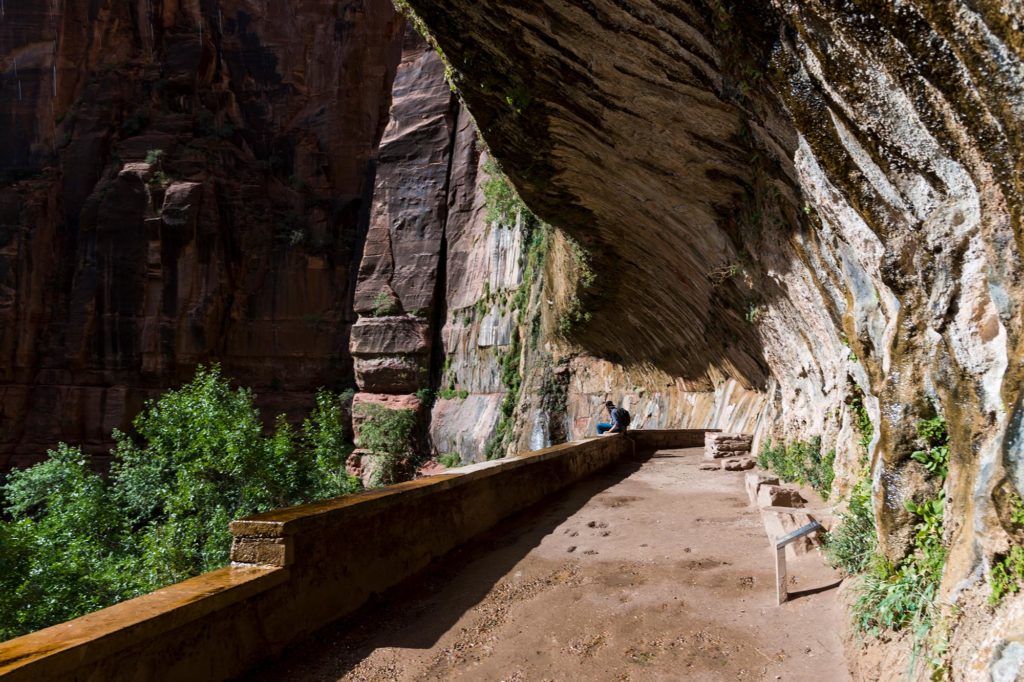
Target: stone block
<point>395,374</point>
<point>742,464</point>
<point>779,521</point>
<point>398,335</point>
<point>753,482</point>
<point>779,496</point>
<point>718,445</point>
<point>261,551</point>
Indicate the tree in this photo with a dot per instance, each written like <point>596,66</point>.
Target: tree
<point>74,542</point>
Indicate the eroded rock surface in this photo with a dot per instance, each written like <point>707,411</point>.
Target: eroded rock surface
<point>821,202</point>
<point>199,175</point>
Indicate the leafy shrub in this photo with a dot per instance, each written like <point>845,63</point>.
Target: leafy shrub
<point>73,541</point>
<point>801,462</point>
<point>451,460</point>
<point>1007,574</point>
<point>450,393</point>
<point>935,455</point>
<point>384,304</point>
<point>388,435</point>
<point>893,597</point>
<point>851,544</point>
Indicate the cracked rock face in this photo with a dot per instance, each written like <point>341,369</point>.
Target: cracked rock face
<point>198,175</point>
<point>816,200</point>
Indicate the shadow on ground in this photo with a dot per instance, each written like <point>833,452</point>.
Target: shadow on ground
<point>336,649</point>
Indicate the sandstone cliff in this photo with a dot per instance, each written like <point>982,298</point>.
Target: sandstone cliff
<point>200,178</point>
<point>819,201</point>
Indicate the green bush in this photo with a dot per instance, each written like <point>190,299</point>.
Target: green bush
<point>894,597</point>
<point>389,435</point>
<point>935,455</point>
<point>384,304</point>
<point>1007,574</point>
<point>72,541</point>
<point>801,462</point>
<point>450,460</point>
<point>450,393</point>
<point>851,544</point>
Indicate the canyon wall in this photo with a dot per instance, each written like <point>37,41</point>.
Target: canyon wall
<point>820,202</point>
<point>183,182</point>
<point>189,182</point>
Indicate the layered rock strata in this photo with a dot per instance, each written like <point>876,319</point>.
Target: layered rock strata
<point>200,172</point>
<point>719,445</point>
<point>819,201</point>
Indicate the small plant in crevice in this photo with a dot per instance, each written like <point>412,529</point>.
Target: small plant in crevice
<point>861,419</point>
<point>1007,573</point>
<point>385,304</point>
<point>426,397</point>
<point>802,462</point>
<point>935,455</point>
<point>753,312</point>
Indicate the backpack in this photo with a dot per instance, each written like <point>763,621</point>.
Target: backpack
<point>624,417</point>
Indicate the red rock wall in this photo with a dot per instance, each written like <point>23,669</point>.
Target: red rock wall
<point>237,245</point>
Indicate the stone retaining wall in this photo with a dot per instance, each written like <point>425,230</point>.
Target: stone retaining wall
<point>300,568</point>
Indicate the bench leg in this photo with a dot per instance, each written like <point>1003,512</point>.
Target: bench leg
<point>780,575</point>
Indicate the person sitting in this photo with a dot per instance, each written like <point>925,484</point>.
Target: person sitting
<point>619,420</point>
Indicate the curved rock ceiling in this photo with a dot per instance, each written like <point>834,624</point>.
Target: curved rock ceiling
<point>805,196</point>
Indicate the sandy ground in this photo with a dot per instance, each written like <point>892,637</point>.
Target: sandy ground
<point>653,571</point>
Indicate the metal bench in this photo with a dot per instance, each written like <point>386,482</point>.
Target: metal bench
<point>782,593</point>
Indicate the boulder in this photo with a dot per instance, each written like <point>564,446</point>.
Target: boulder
<point>718,445</point>
<point>742,464</point>
<point>779,496</point>
<point>753,482</point>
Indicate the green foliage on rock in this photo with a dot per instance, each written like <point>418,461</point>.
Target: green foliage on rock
<point>935,455</point>
<point>901,595</point>
<point>501,199</point>
<point>892,597</point>
<point>450,460</point>
<point>1007,574</point>
<point>862,420</point>
<point>72,541</point>
<point>384,304</point>
<point>389,435</point>
<point>802,462</point>
<point>851,544</point>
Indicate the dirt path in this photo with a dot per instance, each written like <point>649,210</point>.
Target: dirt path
<point>657,571</point>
